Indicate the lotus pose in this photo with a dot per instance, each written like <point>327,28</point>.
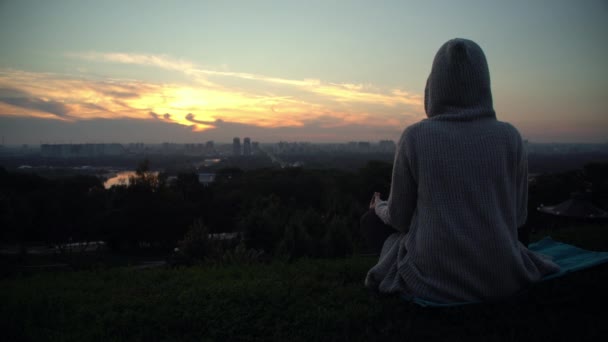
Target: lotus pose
<point>458,194</point>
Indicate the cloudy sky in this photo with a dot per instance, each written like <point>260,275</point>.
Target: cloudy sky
<point>321,71</point>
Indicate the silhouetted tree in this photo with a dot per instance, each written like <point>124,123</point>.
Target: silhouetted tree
<point>338,238</point>
<point>597,175</point>
<point>264,224</point>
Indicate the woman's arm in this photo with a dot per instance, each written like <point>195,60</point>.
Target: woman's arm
<point>522,194</point>
<point>398,210</point>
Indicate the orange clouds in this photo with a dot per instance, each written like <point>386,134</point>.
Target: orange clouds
<point>203,101</point>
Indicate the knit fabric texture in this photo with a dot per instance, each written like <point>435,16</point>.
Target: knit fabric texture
<point>458,194</point>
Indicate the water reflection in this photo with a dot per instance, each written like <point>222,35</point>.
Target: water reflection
<point>120,178</point>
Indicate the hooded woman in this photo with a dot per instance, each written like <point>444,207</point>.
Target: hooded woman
<point>458,194</point>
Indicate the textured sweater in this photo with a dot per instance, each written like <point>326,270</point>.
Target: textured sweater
<point>458,194</point>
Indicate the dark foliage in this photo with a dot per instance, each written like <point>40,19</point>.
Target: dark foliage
<point>292,212</point>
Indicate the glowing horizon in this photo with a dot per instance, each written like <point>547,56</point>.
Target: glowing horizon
<point>282,70</point>
<point>200,103</point>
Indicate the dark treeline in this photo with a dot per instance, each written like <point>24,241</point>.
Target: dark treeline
<point>298,212</point>
<point>554,163</point>
<point>294,212</point>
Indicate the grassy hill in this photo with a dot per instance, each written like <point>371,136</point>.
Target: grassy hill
<point>308,300</point>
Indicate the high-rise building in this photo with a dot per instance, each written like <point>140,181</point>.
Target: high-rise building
<point>236,146</point>
<point>209,147</point>
<point>247,146</point>
<point>363,146</point>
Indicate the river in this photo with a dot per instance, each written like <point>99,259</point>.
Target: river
<point>120,178</point>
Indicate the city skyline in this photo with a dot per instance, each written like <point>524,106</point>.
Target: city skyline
<point>191,71</point>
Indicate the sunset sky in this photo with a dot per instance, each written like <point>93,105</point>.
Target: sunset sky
<point>320,71</point>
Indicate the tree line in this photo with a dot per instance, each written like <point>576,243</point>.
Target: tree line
<point>299,212</point>
<point>294,212</point>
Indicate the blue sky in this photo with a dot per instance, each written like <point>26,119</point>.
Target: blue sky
<point>288,70</point>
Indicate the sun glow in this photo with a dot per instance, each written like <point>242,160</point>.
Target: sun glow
<point>203,102</point>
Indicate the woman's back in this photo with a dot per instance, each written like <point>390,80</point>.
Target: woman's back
<point>459,190</point>
<point>471,197</point>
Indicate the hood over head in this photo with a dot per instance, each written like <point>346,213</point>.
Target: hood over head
<point>458,87</point>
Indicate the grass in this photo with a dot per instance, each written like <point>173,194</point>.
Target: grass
<point>308,300</point>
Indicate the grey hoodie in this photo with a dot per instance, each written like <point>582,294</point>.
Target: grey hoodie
<point>458,194</point>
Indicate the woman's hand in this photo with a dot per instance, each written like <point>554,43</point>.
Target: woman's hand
<point>375,200</point>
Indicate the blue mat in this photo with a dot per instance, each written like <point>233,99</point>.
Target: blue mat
<point>568,257</point>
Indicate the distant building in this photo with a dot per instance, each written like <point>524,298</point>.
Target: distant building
<point>81,150</point>
<point>386,146</point>
<point>247,146</point>
<point>194,149</point>
<point>170,148</point>
<point>255,147</point>
<point>363,146</point>
<point>236,146</point>
<point>138,147</point>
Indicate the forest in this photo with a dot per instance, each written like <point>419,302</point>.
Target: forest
<point>276,212</point>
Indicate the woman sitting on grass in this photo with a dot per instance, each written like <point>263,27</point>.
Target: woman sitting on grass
<point>458,195</point>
